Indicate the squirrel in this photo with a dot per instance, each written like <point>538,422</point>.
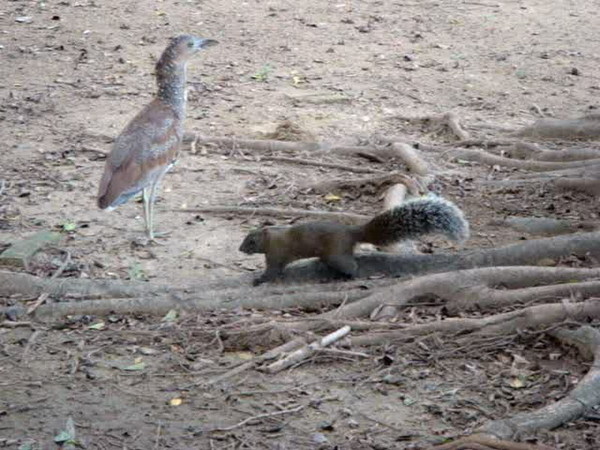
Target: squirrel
<point>334,243</point>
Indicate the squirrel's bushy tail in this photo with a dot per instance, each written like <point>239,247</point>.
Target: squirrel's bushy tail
<point>417,217</point>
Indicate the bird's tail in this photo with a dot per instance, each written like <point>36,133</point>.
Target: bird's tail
<point>415,218</point>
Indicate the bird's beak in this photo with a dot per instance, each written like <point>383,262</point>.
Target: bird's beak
<point>205,43</point>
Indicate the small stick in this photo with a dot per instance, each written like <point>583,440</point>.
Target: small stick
<point>9,324</point>
<point>158,430</point>
<point>30,342</point>
<point>271,354</point>
<point>259,416</point>
<point>44,295</point>
<point>307,351</point>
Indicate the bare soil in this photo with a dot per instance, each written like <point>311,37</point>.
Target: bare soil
<point>74,72</point>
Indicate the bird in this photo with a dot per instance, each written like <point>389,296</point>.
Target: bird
<point>148,146</point>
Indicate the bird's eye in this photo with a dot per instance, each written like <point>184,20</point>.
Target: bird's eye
<point>190,44</point>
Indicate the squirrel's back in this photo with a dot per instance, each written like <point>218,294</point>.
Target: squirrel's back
<point>415,218</point>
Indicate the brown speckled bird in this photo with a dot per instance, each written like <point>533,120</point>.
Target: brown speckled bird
<point>148,146</point>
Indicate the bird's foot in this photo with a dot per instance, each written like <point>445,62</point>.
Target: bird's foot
<point>151,239</point>
<point>154,235</point>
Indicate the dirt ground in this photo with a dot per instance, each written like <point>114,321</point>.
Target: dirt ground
<point>74,72</point>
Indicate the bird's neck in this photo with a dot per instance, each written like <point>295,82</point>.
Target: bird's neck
<point>171,80</point>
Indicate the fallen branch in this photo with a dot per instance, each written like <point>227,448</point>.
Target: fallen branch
<point>584,397</point>
<point>307,351</point>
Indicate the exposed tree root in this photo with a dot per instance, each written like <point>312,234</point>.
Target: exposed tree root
<point>209,301</point>
<point>29,286</point>
<point>449,120</point>
<point>533,317</point>
<point>527,150</point>
<point>469,288</point>
<point>360,183</point>
<point>342,217</point>
<point>226,144</point>
<point>483,442</point>
<point>157,300</point>
<point>410,155</point>
<point>524,253</point>
<point>584,397</point>
<point>585,127</point>
<point>305,162</point>
<point>545,226</point>
<point>587,185</point>
<point>484,157</point>
<point>582,184</point>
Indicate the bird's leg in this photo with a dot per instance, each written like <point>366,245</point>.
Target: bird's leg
<point>153,190</point>
<point>147,201</point>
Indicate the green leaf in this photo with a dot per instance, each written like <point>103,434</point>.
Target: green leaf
<point>62,437</point>
<point>171,316</point>
<point>135,367</point>
<point>97,326</point>
<point>69,226</point>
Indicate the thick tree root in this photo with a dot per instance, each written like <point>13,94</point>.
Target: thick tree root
<point>209,301</point>
<point>483,442</point>
<point>449,120</point>
<point>150,299</point>
<point>545,226</point>
<point>483,157</point>
<point>584,397</point>
<point>29,286</point>
<point>533,317</point>
<point>524,253</point>
<point>473,288</point>
<point>586,127</point>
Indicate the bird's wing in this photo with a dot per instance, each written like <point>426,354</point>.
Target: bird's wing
<point>145,148</point>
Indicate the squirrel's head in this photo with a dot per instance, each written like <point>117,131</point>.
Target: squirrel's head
<point>254,242</point>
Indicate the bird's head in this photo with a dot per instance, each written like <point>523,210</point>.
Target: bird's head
<point>182,47</point>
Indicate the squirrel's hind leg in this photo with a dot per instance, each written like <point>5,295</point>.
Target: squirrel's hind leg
<point>344,265</point>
